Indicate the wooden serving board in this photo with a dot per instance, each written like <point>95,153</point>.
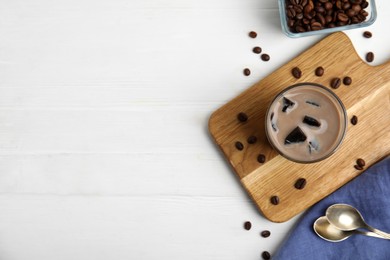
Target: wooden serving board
<point>368,97</point>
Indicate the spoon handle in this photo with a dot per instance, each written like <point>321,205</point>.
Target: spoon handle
<point>379,232</point>
<point>370,234</point>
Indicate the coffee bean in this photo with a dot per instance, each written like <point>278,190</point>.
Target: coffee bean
<point>239,146</point>
<point>257,50</point>
<point>247,72</point>
<point>290,23</point>
<point>356,8</point>
<point>300,183</point>
<point>321,19</point>
<point>291,13</point>
<point>300,29</point>
<point>342,17</point>
<point>242,117</point>
<point>247,225</point>
<point>347,81</point>
<point>320,10</point>
<point>296,72</point>
<point>354,120</point>
<point>360,162</point>
<point>265,233</point>
<point>370,57</point>
<point>316,26</point>
<point>265,57</point>
<point>266,255</point>
<point>252,139</point>
<point>351,13</point>
<point>275,200</point>
<point>339,23</point>
<point>319,71</point>
<point>364,13</point>
<point>261,158</point>
<point>252,34</point>
<point>338,4</point>
<point>367,34</point>
<point>357,167</point>
<point>328,19</point>
<point>335,83</point>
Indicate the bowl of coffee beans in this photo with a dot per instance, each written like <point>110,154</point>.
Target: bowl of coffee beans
<point>310,17</point>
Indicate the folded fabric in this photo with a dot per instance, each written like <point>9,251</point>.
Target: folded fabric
<point>370,194</point>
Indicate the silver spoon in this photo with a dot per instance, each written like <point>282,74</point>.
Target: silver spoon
<point>330,233</point>
<point>347,218</point>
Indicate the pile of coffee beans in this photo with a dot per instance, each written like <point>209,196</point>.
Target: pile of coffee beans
<point>314,15</point>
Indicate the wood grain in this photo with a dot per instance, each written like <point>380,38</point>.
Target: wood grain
<point>368,98</point>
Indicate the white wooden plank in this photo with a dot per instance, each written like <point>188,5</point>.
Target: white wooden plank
<point>163,130</point>
<point>119,174</point>
<point>94,227</point>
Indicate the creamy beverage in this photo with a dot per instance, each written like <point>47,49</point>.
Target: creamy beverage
<point>306,123</point>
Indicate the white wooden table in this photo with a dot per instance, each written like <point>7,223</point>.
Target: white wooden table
<point>104,104</point>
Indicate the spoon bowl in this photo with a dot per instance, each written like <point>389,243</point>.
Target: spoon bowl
<point>345,217</point>
<point>328,232</point>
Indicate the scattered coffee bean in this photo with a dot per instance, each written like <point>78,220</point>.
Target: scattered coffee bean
<point>347,81</point>
<point>247,225</point>
<point>239,146</point>
<point>370,57</point>
<point>266,255</point>
<point>242,117</point>
<point>367,34</point>
<point>247,72</point>
<point>252,34</point>
<point>252,139</point>
<point>265,57</point>
<point>275,200</point>
<point>360,162</point>
<point>319,71</point>
<point>354,120</point>
<point>257,50</point>
<point>265,233</point>
<point>357,167</point>
<point>296,72</point>
<point>335,83</point>
<point>300,183</point>
<point>261,158</point>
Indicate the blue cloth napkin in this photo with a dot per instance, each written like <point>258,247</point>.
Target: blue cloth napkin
<point>370,194</point>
